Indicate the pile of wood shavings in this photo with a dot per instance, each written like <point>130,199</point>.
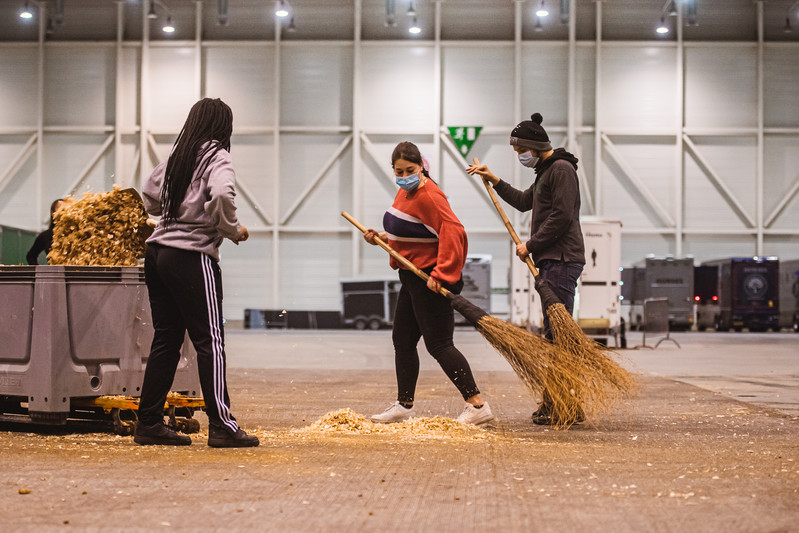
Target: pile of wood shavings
<point>101,229</point>
<point>348,422</point>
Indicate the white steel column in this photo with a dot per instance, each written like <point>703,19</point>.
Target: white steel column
<point>357,176</point>
<point>40,205</point>
<point>276,171</point>
<point>759,170</point>
<point>198,50</point>
<point>679,153</point>
<point>437,169</point>
<point>599,195</point>
<point>571,120</point>
<point>119,168</point>
<point>518,19</point>
<point>144,100</point>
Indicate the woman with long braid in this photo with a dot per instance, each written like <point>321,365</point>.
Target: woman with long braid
<point>194,194</point>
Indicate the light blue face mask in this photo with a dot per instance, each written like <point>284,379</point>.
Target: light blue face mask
<point>528,159</point>
<point>409,183</point>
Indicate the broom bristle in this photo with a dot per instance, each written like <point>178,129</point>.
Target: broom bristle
<point>540,365</point>
<point>603,380</point>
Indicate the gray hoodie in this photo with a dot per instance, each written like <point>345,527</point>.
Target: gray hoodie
<point>208,213</point>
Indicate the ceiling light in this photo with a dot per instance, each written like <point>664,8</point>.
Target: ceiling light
<point>59,11</point>
<point>27,12</point>
<point>672,7</point>
<point>411,9</point>
<point>50,27</point>
<point>662,28</point>
<point>542,10</point>
<point>281,10</point>
<point>787,27</point>
<point>221,9</point>
<point>152,14</point>
<point>414,29</point>
<point>538,26</point>
<point>169,27</point>
<point>391,20</point>
<point>692,13</point>
<point>291,27</point>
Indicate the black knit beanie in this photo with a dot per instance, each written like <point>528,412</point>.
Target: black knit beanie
<point>530,134</point>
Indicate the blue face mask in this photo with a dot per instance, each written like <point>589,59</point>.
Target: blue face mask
<point>409,183</point>
<point>528,159</point>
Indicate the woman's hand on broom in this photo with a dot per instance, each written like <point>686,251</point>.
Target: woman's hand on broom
<point>483,171</point>
<point>370,234</point>
<point>433,284</point>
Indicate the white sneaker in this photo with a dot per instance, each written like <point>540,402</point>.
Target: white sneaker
<point>396,412</point>
<point>473,415</point>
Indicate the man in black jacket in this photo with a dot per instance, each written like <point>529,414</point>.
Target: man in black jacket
<point>556,239</point>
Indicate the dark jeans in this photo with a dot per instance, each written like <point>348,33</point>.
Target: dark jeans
<point>562,277</point>
<point>421,313</point>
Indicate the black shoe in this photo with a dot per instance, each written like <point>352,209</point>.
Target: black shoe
<point>549,420</point>
<point>159,434</point>
<point>543,412</point>
<point>222,438</point>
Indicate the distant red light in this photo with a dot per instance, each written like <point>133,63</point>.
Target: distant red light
<point>696,298</point>
<point>715,298</point>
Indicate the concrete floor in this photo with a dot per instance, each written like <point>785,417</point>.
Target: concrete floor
<point>710,443</point>
<point>761,368</point>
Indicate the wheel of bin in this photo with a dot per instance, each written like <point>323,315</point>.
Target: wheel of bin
<point>190,425</point>
<point>360,324</point>
<point>375,324</point>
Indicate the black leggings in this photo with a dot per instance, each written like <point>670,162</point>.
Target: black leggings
<point>422,313</point>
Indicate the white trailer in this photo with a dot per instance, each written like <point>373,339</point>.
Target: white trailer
<point>597,304</point>
<point>525,304</point>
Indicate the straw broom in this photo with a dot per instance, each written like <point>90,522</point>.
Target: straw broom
<point>603,379</point>
<point>538,363</point>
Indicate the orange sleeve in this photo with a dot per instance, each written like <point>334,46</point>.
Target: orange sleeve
<point>452,242</point>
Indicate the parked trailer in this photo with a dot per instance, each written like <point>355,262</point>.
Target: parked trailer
<point>748,290</point>
<point>74,335</point>
<point>789,294</point>
<point>672,279</point>
<point>525,305</point>
<point>597,306</point>
<point>369,303</point>
<point>633,294</point>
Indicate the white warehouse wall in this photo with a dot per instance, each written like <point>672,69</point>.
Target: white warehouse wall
<point>694,147</point>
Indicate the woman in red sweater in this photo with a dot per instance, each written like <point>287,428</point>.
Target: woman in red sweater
<point>421,226</point>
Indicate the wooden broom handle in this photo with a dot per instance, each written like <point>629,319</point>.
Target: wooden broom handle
<point>395,254</point>
<point>508,225</point>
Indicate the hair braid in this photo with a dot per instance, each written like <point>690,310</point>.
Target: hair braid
<point>206,131</point>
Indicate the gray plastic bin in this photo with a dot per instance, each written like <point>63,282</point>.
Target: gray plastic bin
<point>77,332</point>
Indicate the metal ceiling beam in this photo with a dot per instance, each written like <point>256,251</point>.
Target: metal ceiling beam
<point>317,179</point>
<point>17,162</point>
<point>638,183</point>
<point>718,183</point>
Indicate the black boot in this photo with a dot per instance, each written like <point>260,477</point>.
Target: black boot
<point>219,437</point>
<point>159,434</point>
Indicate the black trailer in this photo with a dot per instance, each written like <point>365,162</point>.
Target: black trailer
<point>369,303</point>
<point>748,291</point>
<point>789,294</point>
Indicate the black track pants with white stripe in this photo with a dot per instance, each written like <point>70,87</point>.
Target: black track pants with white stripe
<point>185,291</point>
